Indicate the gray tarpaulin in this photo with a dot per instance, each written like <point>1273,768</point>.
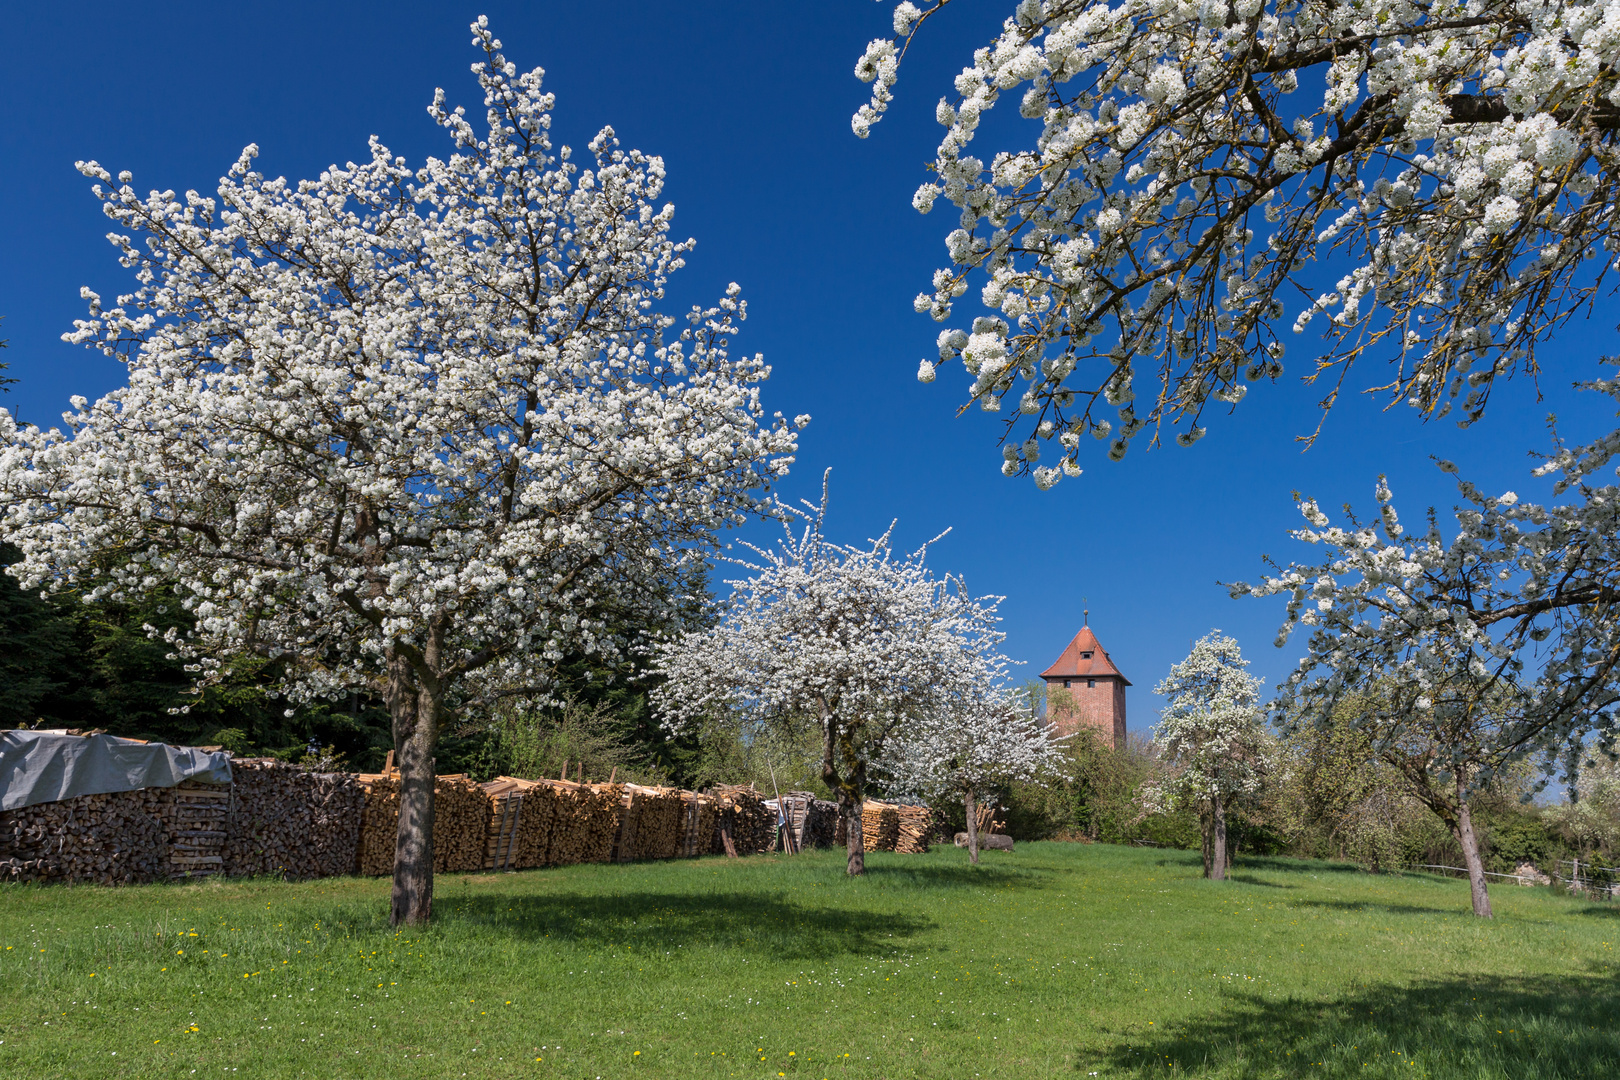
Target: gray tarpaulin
<point>39,767</point>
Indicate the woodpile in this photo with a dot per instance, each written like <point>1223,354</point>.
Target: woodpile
<point>113,839</point>
<point>985,815</point>
<point>276,819</point>
<point>796,808</point>
<point>744,815</point>
<point>700,818</point>
<point>819,825</point>
<point>461,812</point>
<point>194,817</point>
<point>650,823</point>
<point>585,822</point>
<point>291,823</point>
<point>502,847</point>
<point>535,817</point>
<point>916,827</point>
<point>810,822</point>
<point>880,825</point>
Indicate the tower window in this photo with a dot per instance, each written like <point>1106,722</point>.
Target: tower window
<point>1065,684</point>
<point>1091,683</point>
<point>1085,656</point>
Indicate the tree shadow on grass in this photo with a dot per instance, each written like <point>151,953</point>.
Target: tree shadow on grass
<point>960,876</point>
<point>1601,911</point>
<point>1250,879</point>
<point>1358,906</point>
<point>1537,1028</point>
<point>757,922</point>
<point>1295,866</point>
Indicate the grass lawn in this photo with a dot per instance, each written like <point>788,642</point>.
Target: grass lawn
<point>1054,960</point>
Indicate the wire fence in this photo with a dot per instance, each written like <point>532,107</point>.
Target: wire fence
<point>1596,882</point>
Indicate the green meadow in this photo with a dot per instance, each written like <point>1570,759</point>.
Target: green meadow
<point>1053,960</point>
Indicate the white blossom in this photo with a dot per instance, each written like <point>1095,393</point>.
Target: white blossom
<point>1458,158</point>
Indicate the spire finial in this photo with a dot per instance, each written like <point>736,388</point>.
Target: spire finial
<point>1085,614</point>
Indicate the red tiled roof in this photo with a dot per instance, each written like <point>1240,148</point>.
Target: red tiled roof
<point>1073,662</point>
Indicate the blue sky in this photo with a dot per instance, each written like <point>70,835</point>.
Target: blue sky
<point>749,104</point>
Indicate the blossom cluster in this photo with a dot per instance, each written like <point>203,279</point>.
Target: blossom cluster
<point>1190,165</point>
<point>432,409</point>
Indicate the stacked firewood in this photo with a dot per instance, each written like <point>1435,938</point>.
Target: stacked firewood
<point>916,826</point>
<point>113,839</point>
<point>880,825</point>
<point>649,823</point>
<point>700,815</point>
<point>288,822</point>
<point>585,822</point>
<point>194,817</point>
<point>461,812</point>
<point>743,811</point>
<point>501,847</point>
<point>820,824</point>
<point>811,822</point>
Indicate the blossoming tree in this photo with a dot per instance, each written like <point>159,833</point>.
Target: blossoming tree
<point>860,641</point>
<point>1213,735</point>
<point>975,740</point>
<point>1190,166</point>
<point>406,429</point>
<point>1498,645</point>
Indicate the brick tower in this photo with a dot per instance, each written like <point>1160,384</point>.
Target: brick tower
<point>1084,687</point>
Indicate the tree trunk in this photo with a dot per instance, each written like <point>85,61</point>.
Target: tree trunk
<point>849,788</point>
<point>1204,843</point>
<point>973,828</point>
<point>1463,829</point>
<point>1217,839</point>
<point>414,703</point>
<point>854,791</point>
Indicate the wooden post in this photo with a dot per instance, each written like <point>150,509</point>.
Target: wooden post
<point>782,825</point>
<point>564,774</point>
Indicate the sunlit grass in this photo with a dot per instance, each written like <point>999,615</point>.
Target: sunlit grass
<point>1054,960</point>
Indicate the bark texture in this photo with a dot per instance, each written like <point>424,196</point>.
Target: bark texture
<point>972,828</point>
<point>1463,829</point>
<point>415,698</point>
